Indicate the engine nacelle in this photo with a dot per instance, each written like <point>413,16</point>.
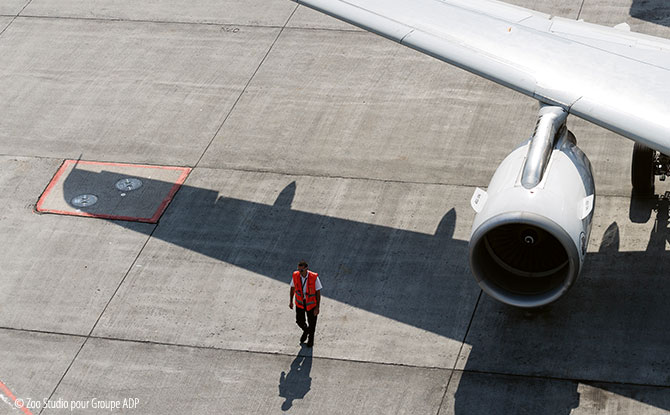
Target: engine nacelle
<point>527,246</point>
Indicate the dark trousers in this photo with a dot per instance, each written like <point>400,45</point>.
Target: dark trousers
<point>311,320</point>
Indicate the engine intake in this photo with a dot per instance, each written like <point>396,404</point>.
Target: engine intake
<point>527,245</point>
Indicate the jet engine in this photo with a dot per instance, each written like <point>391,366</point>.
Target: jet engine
<point>532,226</point>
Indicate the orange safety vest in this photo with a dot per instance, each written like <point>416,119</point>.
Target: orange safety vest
<point>300,300</point>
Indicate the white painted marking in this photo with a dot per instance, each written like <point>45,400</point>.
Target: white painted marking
<point>588,206</point>
<point>479,200</point>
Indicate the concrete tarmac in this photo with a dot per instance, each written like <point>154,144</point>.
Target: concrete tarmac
<point>308,138</point>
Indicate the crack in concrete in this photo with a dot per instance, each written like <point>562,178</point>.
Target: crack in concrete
<point>579,13</point>
<point>99,317</point>
<point>253,75</point>
<point>458,355</point>
<point>312,175</point>
<point>181,22</point>
<point>14,18</point>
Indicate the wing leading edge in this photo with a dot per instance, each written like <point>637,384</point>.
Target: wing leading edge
<point>613,78</point>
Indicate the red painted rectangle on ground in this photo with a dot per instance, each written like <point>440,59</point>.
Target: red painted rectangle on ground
<point>120,191</point>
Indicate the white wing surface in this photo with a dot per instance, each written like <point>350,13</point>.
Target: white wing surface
<point>610,76</point>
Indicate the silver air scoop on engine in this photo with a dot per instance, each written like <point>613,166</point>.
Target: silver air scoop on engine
<point>529,236</point>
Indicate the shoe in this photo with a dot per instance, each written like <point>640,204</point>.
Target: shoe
<point>303,337</point>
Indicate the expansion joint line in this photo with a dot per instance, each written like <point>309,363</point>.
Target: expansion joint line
<point>90,333</point>
<point>17,15</point>
<point>581,7</point>
<point>244,90</point>
<point>465,337</point>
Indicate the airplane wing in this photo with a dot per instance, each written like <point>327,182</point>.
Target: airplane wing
<point>612,77</point>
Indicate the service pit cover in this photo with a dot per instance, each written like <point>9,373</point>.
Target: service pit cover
<point>132,192</point>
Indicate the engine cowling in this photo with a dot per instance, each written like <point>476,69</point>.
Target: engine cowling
<point>527,246</point>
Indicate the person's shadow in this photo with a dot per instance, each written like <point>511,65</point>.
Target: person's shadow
<point>297,382</point>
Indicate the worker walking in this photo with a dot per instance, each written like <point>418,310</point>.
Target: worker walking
<point>306,286</point>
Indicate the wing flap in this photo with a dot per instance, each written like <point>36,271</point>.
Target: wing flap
<point>643,48</point>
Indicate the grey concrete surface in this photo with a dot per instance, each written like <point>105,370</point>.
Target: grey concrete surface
<point>340,87</point>
<point>4,22</point>
<point>233,12</point>
<point>424,121</point>
<point>31,364</point>
<point>12,7</point>
<point>340,147</point>
<point>569,9</point>
<point>121,91</point>
<point>58,272</point>
<point>646,16</point>
<point>221,248</point>
<point>168,379</point>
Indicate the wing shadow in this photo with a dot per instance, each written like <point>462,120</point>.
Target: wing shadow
<point>359,260</point>
<point>368,267</point>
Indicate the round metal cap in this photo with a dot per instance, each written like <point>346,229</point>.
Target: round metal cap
<point>129,184</point>
<point>84,200</point>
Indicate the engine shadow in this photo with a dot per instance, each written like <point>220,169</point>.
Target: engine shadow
<point>609,327</point>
